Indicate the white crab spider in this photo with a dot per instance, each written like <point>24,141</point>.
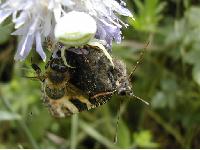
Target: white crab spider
<point>77,29</point>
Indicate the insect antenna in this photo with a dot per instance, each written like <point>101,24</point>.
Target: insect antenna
<point>123,104</point>
<point>138,61</point>
<point>117,123</point>
<point>134,69</point>
<point>140,99</point>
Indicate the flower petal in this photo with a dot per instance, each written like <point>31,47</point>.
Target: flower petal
<point>20,20</point>
<point>47,25</point>
<point>4,14</point>
<point>24,47</point>
<point>36,19</point>
<point>39,48</point>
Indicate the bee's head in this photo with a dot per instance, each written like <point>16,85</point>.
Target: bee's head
<point>57,65</point>
<point>57,71</point>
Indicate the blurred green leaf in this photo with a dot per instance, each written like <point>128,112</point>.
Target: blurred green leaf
<point>149,15</point>
<point>96,135</point>
<point>196,73</point>
<point>5,32</point>
<point>143,139</point>
<point>39,122</point>
<point>124,135</point>
<point>192,15</point>
<point>7,116</point>
<point>192,56</point>
<point>166,98</point>
<point>159,100</point>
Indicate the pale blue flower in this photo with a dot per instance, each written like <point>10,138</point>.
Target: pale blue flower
<point>36,19</point>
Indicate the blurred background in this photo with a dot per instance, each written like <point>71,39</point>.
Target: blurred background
<point>168,78</point>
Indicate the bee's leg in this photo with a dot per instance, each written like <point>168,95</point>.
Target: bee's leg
<point>36,68</point>
<point>38,72</point>
<point>64,58</point>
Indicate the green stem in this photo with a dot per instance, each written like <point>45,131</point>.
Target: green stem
<point>191,133</point>
<point>96,135</point>
<point>74,131</point>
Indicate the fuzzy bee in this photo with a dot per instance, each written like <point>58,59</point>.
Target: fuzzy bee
<point>89,83</point>
<point>61,97</point>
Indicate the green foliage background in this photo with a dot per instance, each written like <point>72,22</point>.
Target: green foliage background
<point>168,78</point>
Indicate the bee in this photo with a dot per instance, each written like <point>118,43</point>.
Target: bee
<point>61,97</point>
<point>91,81</point>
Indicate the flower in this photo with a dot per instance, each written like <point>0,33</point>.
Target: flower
<point>36,19</point>
<point>33,20</point>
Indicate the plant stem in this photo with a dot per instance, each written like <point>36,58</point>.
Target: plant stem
<point>96,135</point>
<point>74,130</point>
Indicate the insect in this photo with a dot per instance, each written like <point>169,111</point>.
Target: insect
<point>61,97</point>
<point>91,81</point>
<point>96,76</point>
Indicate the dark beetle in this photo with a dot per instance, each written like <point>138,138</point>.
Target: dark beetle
<point>89,83</point>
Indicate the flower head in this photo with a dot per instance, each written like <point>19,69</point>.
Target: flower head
<point>36,19</point>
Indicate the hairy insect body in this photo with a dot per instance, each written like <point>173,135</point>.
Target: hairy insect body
<point>94,74</point>
<point>62,98</point>
<point>120,79</point>
<point>90,83</point>
<point>90,73</point>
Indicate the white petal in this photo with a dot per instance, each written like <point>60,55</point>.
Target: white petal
<point>67,3</point>
<point>34,25</point>
<point>118,8</point>
<point>14,15</point>
<point>57,13</point>
<point>4,15</point>
<point>20,20</point>
<point>26,44</point>
<point>47,25</point>
<point>24,47</point>
<point>22,30</point>
<point>39,48</point>
<point>51,4</point>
